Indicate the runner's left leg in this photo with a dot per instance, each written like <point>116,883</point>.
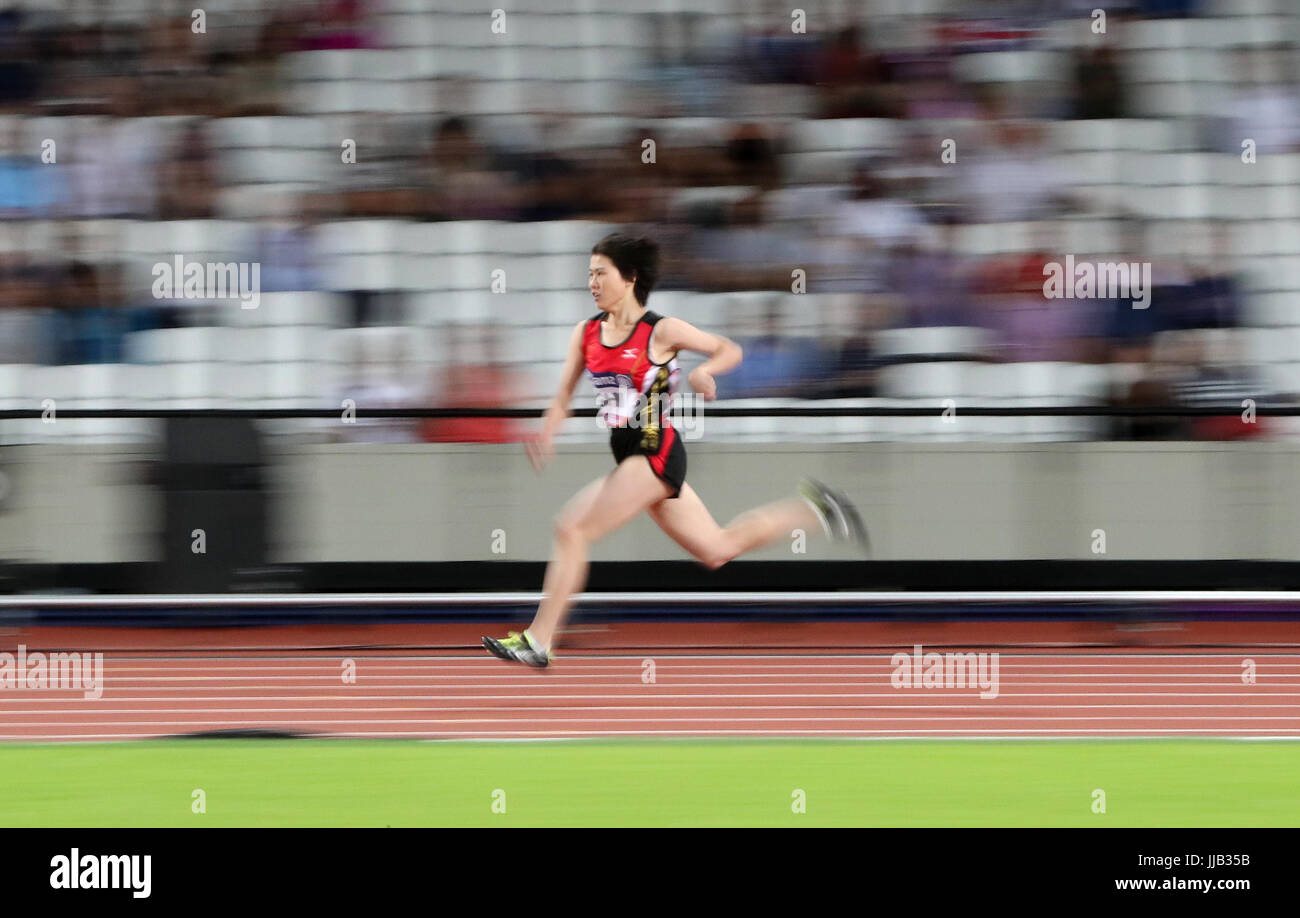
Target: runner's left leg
<point>629,489</point>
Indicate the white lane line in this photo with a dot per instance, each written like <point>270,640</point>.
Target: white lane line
<point>872,655</point>
<point>909,718</point>
<point>110,685</point>
<point>71,698</point>
<point>333,672</point>
<point>995,710</point>
<point>971,733</point>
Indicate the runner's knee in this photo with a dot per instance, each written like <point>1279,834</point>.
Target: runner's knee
<point>569,531</point>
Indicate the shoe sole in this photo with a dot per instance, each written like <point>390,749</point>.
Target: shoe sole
<point>494,647</point>
<point>847,516</point>
<point>837,521</point>
<point>858,528</point>
<point>822,515</point>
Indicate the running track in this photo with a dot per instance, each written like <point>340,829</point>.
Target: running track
<point>718,679</point>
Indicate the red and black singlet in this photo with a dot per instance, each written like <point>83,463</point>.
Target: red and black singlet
<point>632,390</point>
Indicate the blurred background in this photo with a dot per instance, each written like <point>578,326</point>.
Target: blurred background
<point>863,194</point>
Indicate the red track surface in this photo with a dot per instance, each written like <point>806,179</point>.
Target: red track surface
<point>709,679</point>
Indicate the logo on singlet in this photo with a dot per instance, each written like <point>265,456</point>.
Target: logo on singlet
<point>630,353</point>
<point>616,397</point>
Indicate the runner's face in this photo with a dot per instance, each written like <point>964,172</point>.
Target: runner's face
<point>607,286</point>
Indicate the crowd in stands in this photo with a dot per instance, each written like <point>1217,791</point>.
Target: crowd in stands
<point>889,225</point>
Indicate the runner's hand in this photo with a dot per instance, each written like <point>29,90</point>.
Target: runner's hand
<point>703,383</point>
<point>540,450</point>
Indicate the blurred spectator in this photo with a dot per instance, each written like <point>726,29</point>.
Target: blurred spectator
<point>25,321</point>
<point>933,279</point>
<point>844,61</point>
<point>917,173</point>
<point>853,79</point>
<point>775,55</point>
<point>1149,383</point>
<point>1266,109</point>
<point>28,187</point>
<point>384,308</point>
<point>76,65</point>
<point>1170,299</point>
<point>928,86</point>
<point>88,327</point>
<point>475,378</point>
<point>871,212</point>
<point>857,364</point>
<point>467,181</point>
<point>746,253</point>
<point>839,264</point>
<point>252,80</point>
<point>334,24</point>
<point>384,180</point>
<point>1214,294</point>
<point>20,72</point>
<point>376,379</point>
<point>752,155</point>
<point>109,167</point>
<point>675,238</point>
<point>1098,86</point>
<point>689,68</point>
<point>1170,8</point>
<point>872,221</point>
<point>775,366</point>
<point>175,73</point>
<point>1221,378</point>
<point>1028,326</point>
<point>552,186</point>
<point>187,179</point>
<point>1197,368</point>
<point>284,244</point>
<point>1010,177</point>
<point>1150,350</point>
<point>623,189</point>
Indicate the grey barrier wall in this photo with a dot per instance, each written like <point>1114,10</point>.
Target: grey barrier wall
<point>425,502</point>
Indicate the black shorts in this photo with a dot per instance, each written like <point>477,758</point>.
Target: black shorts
<point>662,446</point>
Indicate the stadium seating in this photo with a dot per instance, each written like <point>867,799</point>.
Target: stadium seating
<point>582,61</point>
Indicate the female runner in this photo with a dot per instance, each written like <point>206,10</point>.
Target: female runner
<point>631,354</point>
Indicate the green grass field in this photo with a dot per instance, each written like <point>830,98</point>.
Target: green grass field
<point>273,782</point>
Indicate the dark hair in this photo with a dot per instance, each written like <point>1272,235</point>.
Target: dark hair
<point>635,257</point>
